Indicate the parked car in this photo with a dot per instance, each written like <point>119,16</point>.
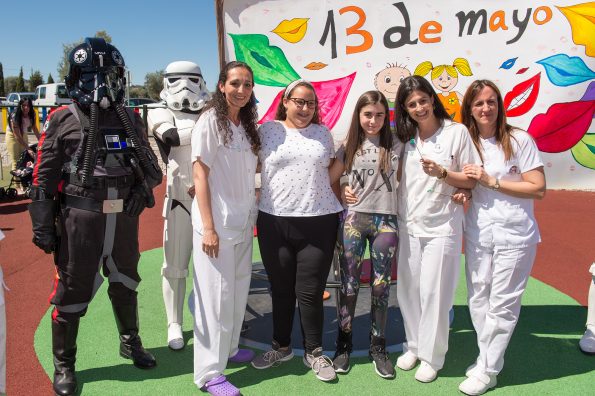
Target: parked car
<point>14,97</point>
<point>51,95</point>
<point>138,104</point>
<point>3,100</point>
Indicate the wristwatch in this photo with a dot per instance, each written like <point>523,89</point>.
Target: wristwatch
<point>443,173</point>
<point>496,185</point>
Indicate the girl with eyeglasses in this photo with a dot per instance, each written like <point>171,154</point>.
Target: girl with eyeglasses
<point>297,224</point>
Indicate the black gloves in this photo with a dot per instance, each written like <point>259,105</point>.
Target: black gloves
<point>136,202</point>
<point>43,217</point>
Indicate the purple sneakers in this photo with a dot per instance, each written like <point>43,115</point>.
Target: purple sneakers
<point>220,386</point>
<point>242,356</point>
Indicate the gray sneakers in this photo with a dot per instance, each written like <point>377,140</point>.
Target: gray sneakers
<point>321,365</point>
<point>272,358</point>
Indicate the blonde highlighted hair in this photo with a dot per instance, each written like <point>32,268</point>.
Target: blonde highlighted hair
<point>460,64</point>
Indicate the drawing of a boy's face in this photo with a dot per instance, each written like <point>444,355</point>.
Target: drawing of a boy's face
<point>388,80</point>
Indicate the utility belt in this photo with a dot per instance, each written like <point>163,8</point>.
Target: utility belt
<point>101,182</point>
<point>92,205</point>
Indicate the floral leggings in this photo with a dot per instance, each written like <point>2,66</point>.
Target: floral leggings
<point>380,231</point>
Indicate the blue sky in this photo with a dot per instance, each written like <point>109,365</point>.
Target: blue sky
<point>149,34</point>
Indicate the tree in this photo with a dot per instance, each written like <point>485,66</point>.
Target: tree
<point>20,87</point>
<point>2,91</point>
<point>50,79</point>
<point>138,91</point>
<point>66,48</point>
<point>10,83</point>
<point>35,80</point>
<point>154,83</point>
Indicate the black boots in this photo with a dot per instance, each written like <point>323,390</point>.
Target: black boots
<point>344,347</point>
<point>130,343</point>
<point>378,355</point>
<point>64,348</point>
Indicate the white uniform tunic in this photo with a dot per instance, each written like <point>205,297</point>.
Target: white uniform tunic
<point>501,237</point>
<point>221,284</point>
<point>431,240</point>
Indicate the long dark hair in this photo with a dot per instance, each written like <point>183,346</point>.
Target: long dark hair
<point>18,114</point>
<point>356,134</point>
<point>281,113</point>
<point>503,129</point>
<point>248,114</point>
<point>406,126</point>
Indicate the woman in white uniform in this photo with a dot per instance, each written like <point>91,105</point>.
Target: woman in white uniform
<point>501,233</point>
<point>431,224</point>
<point>224,147</point>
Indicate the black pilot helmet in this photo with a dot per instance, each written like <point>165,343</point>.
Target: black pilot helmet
<point>96,73</point>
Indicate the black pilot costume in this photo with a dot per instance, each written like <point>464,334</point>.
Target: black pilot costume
<point>94,175</point>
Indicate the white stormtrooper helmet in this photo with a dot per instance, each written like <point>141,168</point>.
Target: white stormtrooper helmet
<point>184,87</point>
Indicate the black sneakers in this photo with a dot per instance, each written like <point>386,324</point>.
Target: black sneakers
<point>378,355</point>
<point>341,358</point>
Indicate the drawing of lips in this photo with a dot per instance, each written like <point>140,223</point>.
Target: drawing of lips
<point>522,97</point>
<point>292,31</point>
<point>315,66</point>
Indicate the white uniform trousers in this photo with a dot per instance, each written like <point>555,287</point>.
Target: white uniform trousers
<point>496,281</point>
<point>221,288</point>
<point>428,271</point>
<point>177,247</point>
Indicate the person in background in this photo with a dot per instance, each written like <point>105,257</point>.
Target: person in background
<point>430,222</point>
<point>297,224</point>
<point>369,159</point>
<point>225,144</point>
<point>21,122</point>
<point>501,233</point>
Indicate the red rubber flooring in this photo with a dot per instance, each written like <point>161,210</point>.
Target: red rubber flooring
<point>566,220</point>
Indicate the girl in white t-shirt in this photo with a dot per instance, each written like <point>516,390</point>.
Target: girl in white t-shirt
<point>370,159</point>
<point>224,146</point>
<point>297,224</point>
<point>430,223</point>
<point>501,232</point>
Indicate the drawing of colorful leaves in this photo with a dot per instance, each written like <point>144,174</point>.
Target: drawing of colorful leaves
<point>332,95</point>
<point>584,151</point>
<point>563,125</point>
<point>563,70</point>
<point>268,62</point>
<point>581,18</point>
<point>292,31</point>
<point>590,92</point>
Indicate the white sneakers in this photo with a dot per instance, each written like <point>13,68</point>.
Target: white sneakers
<point>407,361</point>
<point>587,342</point>
<point>425,373</point>
<point>477,384</point>
<point>175,339</point>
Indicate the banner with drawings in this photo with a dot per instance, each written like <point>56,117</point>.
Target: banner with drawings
<point>540,54</point>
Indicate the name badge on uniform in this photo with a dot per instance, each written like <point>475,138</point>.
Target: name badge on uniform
<point>112,142</point>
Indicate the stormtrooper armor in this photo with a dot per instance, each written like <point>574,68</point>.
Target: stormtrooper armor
<point>587,342</point>
<point>184,92</point>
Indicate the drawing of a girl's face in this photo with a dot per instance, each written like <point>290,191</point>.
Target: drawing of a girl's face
<point>444,82</point>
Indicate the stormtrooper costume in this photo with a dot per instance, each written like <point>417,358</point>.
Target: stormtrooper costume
<point>185,93</point>
<point>587,342</point>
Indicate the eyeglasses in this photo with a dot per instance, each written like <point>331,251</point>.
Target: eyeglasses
<point>301,102</point>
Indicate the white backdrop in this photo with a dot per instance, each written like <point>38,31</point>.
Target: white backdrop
<point>540,54</point>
